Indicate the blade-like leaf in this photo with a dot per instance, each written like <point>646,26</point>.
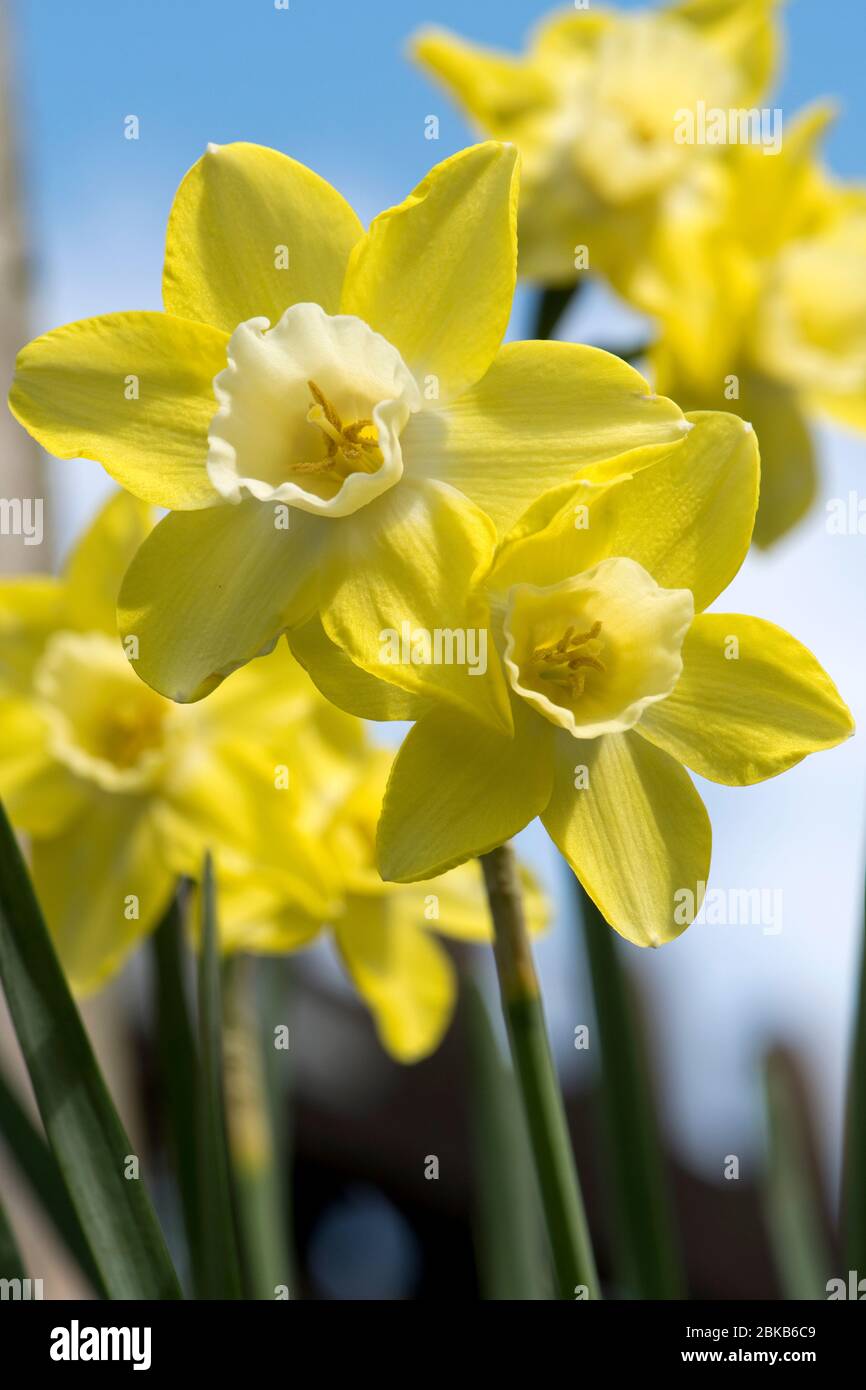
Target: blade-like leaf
<point>792,1190</point>
<point>221,1264</point>
<point>177,1048</point>
<point>37,1166</point>
<point>647,1241</point>
<point>85,1133</point>
<point>255,1170</point>
<point>513,1258</point>
<point>854,1173</point>
<point>11,1263</point>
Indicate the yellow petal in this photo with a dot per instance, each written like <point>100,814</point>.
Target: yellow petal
<point>103,885</point>
<point>399,594</point>
<point>745,31</point>
<point>810,330</point>
<point>257,912</point>
<point>133,391</point>
<point>776,200</point>
<point>540,416</point>
<point>274,695</point>
<point>436,274</point>
<point>40,794</point>
<point>751,702</point>
<point>789,477</point>
<point>405,977</point>
<point>210,590</point>
<point>101,558</point>
<point>848,410</point>
<point>495,88</point>
<point>347,685</point>
<point>31,607</point>
<point>635,832</point>
<point>251,232</point>
<point>455,903</point>
<point>457,789</point>
<point>686,516</point>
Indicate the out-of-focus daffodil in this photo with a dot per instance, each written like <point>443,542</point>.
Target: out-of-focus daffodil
<point>121,791</point>
<point>593,108</point>
<point>756,276</point>
<point>618,681</point>
<point>326,412</point>
<point>384,932</point>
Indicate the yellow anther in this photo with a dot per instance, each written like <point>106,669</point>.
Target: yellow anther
<point>347,449</point>
<point>566,661</point>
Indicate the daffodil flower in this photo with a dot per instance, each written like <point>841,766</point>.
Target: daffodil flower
<point>385,933</point>
<point>119,790</point>
<point>618,680</point>
<point>593,107</point>
<point>756,275</point>
<point>327,413</point>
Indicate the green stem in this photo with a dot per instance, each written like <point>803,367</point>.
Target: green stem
<point>649,1252</point>
<point>256,1182</point>
<point>550,306</point>
<point>533,1065</point>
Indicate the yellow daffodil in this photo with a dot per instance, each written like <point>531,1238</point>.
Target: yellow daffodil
<point>593,107</point>
<point>384,932</point>
<point>618,680</point>
<point>756,275</point>
<point>326,412</point>
<point>121,791</point>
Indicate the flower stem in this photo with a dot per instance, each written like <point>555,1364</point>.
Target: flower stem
<point>533,1065</point>
<point>550,306</point>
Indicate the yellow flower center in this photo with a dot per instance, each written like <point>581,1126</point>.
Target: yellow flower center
<point>349,449</point>
<point>105,723</point>
<point>566,661</point>
<point>557,660</point>
<point>310,413</point>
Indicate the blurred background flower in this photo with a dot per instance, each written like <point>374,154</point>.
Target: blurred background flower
<point>93,205</point>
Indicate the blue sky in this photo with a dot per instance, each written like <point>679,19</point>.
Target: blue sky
<point>329,83</point>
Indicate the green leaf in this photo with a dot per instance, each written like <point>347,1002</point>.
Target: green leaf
<point>256,1174</point>
<point>647,1242</point>
<point>221,1263</point>
<point>11,1263</point>
<point>854,1175</point>
<point>37,1166</point>
<point>512,1255</point>
<point>82,1125</point>
<point>177,1049</point>
<point>794,1205</point>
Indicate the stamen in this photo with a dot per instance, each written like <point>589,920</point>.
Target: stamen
<point>348,451</point>
<point>565,662</point>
